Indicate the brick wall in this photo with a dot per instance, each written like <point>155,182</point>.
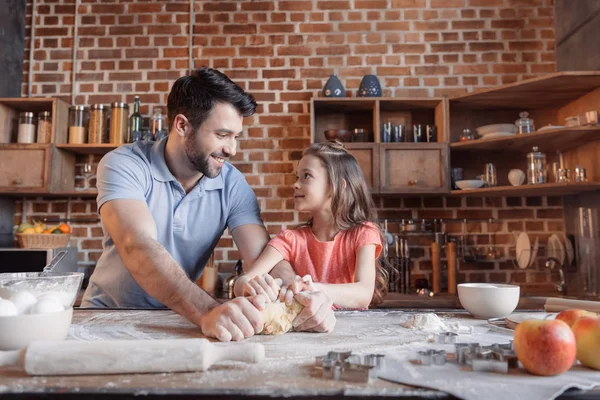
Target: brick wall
<point>283,52</point>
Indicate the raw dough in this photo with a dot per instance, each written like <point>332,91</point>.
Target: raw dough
<point>278,317</point>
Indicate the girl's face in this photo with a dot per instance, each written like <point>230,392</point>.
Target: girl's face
<point>311,190</point>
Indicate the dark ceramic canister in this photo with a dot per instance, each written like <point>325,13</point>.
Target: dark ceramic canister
<point>334,88</point>
<point>369,87</point>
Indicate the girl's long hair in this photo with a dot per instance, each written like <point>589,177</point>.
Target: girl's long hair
<point>351,201</point>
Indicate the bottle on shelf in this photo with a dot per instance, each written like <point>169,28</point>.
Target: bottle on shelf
<point>136,122</point>
<point>159,128</point>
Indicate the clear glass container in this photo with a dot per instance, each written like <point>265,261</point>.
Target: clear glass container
<point>524,124</point>
<point>97,132</point>
<point>118,123</point>
<point>78,120</point>
<point>44,128</point>
<point>26,128</point>
<point>159,126</point>
<point>136,122</point>
<point>466,135</point>
<point>536,167</point>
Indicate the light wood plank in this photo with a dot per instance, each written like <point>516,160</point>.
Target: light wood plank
<point>546,189</point>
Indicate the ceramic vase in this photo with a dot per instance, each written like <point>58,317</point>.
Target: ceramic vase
<point>516,177</point>
<point>369,87</point>
<point>334,88</point>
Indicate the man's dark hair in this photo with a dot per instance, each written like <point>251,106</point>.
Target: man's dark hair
<point>195,96</point>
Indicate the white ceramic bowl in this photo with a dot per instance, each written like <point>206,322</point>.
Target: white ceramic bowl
<point>496,128</point>
<point>516,177</point>
<point>488,300</point>
<point>469,184</point>
<point>19,331</point>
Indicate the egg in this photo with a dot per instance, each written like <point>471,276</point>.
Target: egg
<point>7,308</point>
<point>47,304</point>
<point>23,301</point>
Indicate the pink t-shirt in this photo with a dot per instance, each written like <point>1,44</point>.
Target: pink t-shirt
<point>326,262</point>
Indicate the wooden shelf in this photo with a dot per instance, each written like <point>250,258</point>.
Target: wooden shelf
<point>549,91</point>
<point>88,148</point>
<point>550,140</point>
<point>546,189</point>
<point>73,193</point>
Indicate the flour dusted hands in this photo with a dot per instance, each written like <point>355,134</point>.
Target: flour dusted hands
<point>317,315</point>
<point>261,284</point>
<point>300,284</point>
<point>234,320</point>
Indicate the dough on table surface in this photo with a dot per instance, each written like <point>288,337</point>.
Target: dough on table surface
<point>278,317</point>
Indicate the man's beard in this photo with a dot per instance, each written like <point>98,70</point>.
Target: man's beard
<point>199,160</point>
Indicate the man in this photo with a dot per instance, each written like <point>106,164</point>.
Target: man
<point>164,206</point>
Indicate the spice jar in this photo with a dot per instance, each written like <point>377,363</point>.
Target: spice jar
<point>525,124</point>
<point>118,123</point>
<point>97,124</point>
<point>536,166</point>
<point>44,128</point>
<point>466,135</point>
<point>26,128</point>
<point>78,116</point>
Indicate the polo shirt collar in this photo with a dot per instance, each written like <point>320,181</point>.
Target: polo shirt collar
<point>161,172</point>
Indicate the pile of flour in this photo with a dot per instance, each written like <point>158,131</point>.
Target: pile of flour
<point>429,322</point>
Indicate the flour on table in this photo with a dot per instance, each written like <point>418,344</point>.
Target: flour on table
<point>430,322</point>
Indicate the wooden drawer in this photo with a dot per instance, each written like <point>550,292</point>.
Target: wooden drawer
<point>414,168</point>
<point>367,155</point>
<point>24,167</point>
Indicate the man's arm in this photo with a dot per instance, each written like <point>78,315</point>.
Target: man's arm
<point>133,230</point>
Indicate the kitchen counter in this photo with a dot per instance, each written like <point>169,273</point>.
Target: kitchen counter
<point>449,302</point>
<point>288,370</point>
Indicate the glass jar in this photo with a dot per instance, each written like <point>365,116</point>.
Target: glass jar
<point>536,167</point>
<point>97,124</point>
<point>159,126</point>
<point>466,135</point>
<point>44,128</point>
<point>524,124</point>
<point>26,128</point>
<point>118,123</point>
<point>78,118</point>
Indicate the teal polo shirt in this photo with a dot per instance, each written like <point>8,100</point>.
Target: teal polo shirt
<point>188,225</point>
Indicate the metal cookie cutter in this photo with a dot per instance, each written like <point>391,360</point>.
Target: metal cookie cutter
<point>494,358</point>
<point>437,357</point>
<point>446,338</point>
<point>348,367</point>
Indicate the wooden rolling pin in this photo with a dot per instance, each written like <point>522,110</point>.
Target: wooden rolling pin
<point>435,264</point>
<point>451,256</point>
<point>127,356</point>
<point>557,304</point>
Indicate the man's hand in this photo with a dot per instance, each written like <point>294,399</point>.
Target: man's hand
<point>317,315</point>
<point>234,320</point>
<point>262,284</point>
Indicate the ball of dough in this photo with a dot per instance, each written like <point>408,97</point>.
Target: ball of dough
<point>23,301</point>
<point>47,304</point>
<point>278,317</point>
<point>7,308</point>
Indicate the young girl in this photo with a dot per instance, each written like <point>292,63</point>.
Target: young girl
<point>339,246</point>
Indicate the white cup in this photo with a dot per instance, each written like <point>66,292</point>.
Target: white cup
<point>516,177</point>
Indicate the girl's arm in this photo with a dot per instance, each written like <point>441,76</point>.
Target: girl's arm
<point>248,285</point>
<point>359,293</point>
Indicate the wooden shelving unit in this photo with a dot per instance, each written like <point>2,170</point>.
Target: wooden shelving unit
<point>88,148</point>
<point>547,189</point>
<point>547,141</point>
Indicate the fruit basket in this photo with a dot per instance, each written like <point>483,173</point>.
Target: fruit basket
<point>42,241</point>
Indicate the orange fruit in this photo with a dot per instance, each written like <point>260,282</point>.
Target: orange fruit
<point>64,228</point>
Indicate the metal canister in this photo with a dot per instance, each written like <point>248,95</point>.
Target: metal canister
<point>536,167</point>
<point>118,122</point>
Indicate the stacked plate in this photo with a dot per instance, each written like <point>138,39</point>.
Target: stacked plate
<point>496,130</point>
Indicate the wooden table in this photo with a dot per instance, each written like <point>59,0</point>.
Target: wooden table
<point>287,372</point>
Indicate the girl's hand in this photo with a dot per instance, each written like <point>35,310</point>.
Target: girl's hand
<point>300,284</point>
<point>262,284</point>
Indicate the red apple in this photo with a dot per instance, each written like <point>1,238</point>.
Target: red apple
<point>545,347</point>
<point>587,336</point>
<point>571,316</point>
